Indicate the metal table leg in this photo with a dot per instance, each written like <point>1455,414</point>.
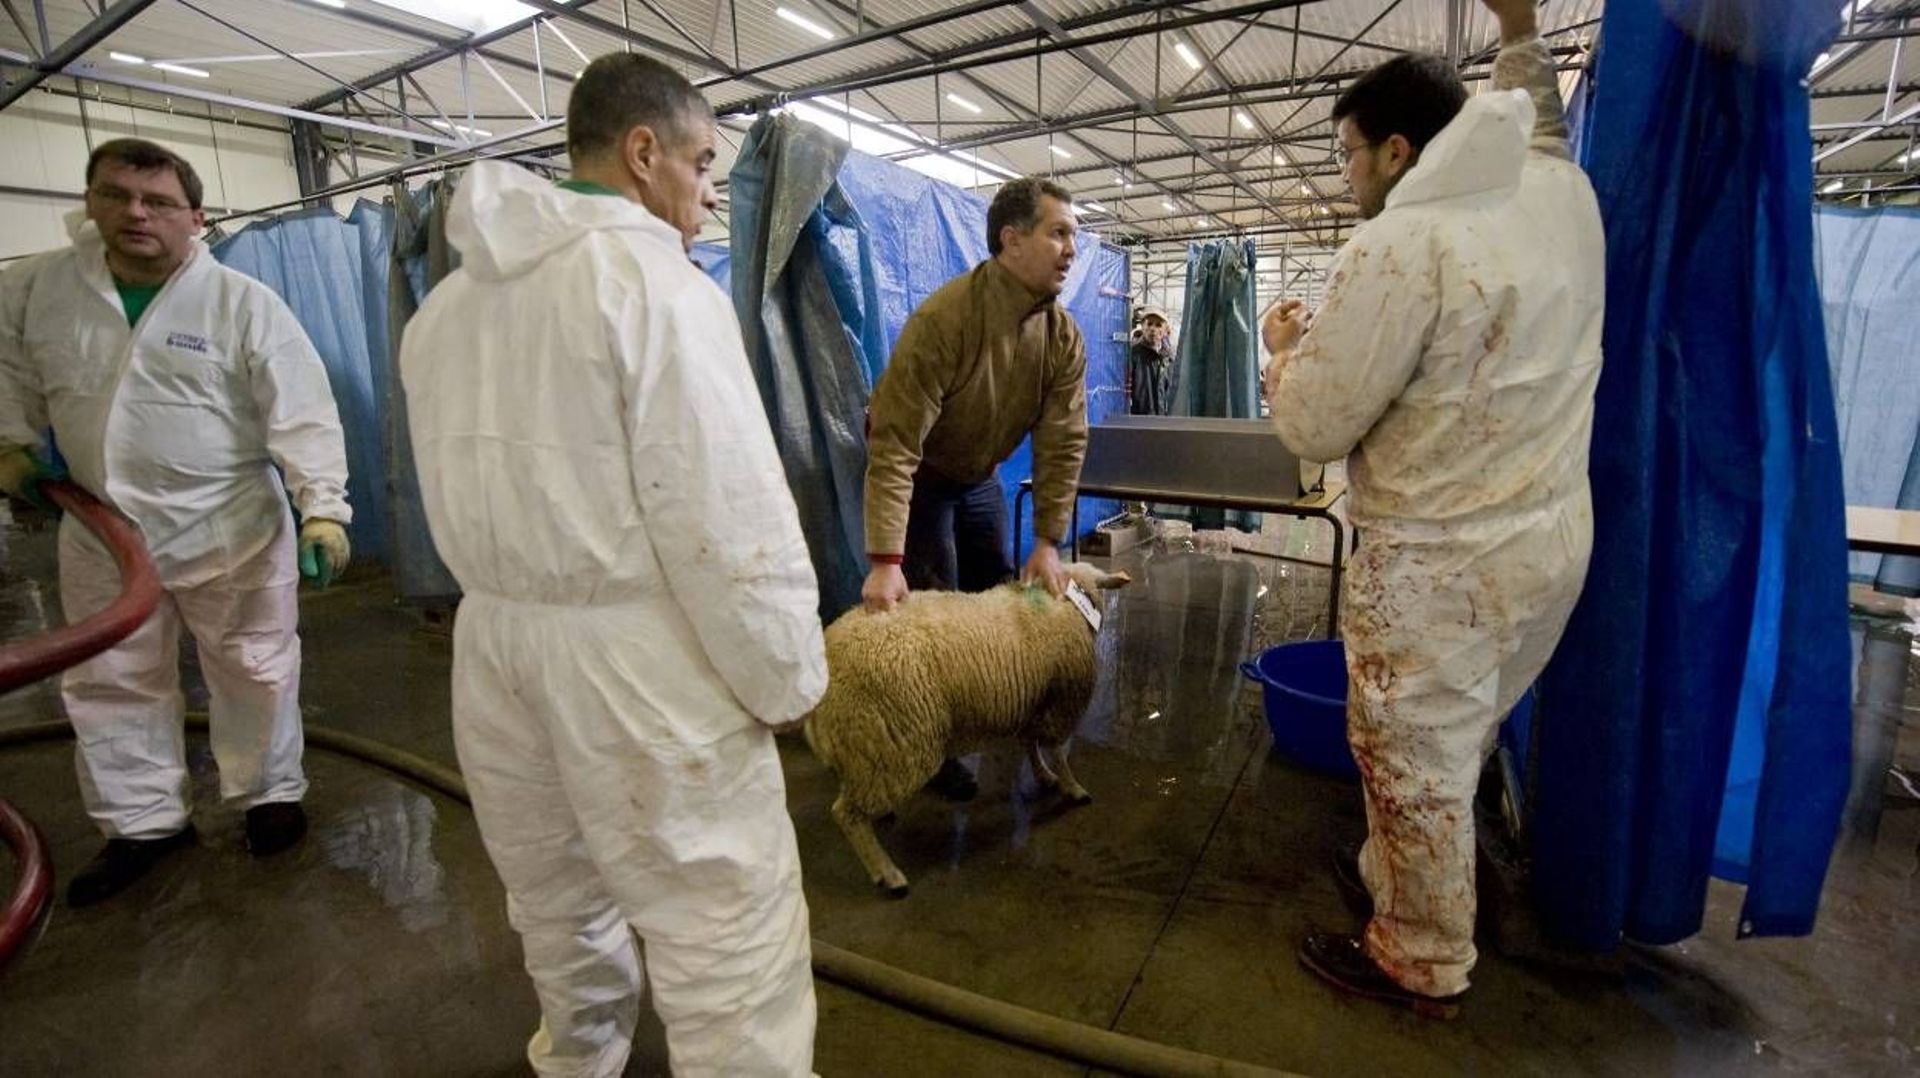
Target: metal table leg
<point>1338,563</point>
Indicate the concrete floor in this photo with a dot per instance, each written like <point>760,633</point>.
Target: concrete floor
<point>1168,909</point>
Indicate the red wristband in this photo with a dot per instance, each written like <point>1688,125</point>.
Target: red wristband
<point>887,559</point>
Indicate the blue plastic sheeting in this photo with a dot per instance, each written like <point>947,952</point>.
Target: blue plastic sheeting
<point>1716,602</point>
<point>857,244</point>
<point>333,274</point>
<point>1216,372</point>
<point>1870,283</point>
<point>716,260</point>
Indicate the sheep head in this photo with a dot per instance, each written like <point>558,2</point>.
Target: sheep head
<point>1092,579</point>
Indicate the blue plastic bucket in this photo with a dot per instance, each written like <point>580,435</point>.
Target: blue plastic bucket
<point>1306,696</point>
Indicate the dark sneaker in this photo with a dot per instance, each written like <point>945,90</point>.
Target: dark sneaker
<point>120,863</point>
<point>274,827</point>
<point>1353,887</point>
<point>954,782</point>
<point>1342,961</point>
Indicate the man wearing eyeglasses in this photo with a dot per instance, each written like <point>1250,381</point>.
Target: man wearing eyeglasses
<point>174,386</point>
<point>1454,364</point>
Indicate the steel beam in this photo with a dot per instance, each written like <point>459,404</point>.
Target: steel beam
<point>94,74</point>
<point>429,58</point>
<point>574,13</point>
<point>54,60</point>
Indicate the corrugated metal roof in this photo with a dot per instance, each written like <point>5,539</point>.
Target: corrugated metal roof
<point>1257,52</point>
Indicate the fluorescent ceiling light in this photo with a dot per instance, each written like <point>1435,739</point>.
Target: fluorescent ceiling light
<point>1168,203</point>
<point>964,103</point>
<point>804,23</point>
<point>180,69</point>
<point>1096,207</point>
<point>907,147</point>
<point>474,16</point>
<point>1245,121</point>
<point>1057,151</point>
<point>1832,187</point>
<point>128,58</point>
<point>1821,60</point>
<point>477,132</point>
<point>1187,55</point>
<point>337,5</point>
<point>1909,155</point>
<point>1325,211</point>
<point>1305,189</point>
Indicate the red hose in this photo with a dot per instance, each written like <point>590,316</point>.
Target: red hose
<point>34,892</point>
<point>26,661</point>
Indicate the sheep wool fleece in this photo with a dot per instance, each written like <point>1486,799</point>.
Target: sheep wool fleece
<point>1455,357</point>
<point>639,609</point>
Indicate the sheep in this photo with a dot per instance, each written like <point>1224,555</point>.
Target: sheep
<point>941,675</point>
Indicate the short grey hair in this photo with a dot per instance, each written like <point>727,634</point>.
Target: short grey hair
<point>624,90</point>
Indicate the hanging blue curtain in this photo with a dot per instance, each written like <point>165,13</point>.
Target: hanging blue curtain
<point>716,260</point>
<point>1697,713</point>
<point>832,250</point>
<point>1869,264</point>
<point>1216,369</point>
<point>418,259</point>
<point>325,270</point>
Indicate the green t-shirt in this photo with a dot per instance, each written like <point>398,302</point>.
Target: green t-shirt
<point>587,187</point>
<point>135,297</point>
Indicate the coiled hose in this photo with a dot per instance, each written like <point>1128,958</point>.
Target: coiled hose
<point>1047,1033</point>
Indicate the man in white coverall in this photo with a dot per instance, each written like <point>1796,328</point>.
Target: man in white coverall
<point>174,386</point>
<point>1455,360</point>
<point>640,614</point>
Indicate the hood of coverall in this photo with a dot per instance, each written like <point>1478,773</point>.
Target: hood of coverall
<point>1481,151</point>
<point>506,220</point>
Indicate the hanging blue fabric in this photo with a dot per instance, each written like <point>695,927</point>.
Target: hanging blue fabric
<point>1697,712</point>
<point>326,271</point>
<point>1870,284</point>
<point>1216,370</point>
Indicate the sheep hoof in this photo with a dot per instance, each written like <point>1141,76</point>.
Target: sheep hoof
<point>897,890</point>
<point>1079,796</point>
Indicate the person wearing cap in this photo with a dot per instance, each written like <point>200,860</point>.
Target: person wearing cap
<point>1150,364</point>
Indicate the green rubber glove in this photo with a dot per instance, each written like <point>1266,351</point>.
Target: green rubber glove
<point>21,474</point>
<point>324,551</point>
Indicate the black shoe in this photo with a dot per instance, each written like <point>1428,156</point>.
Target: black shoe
<point>1342,961</point>
<point>954,782</point>
<point>274,827</point>
<point>1353,886</point>
<point>120,863</point>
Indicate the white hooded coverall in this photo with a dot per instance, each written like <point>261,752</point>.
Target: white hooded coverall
<point>639,607</point>
<point>178,423</point>
<point>1455,358</point>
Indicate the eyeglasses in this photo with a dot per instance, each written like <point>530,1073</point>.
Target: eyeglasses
<point>120,199</point>
<point>1343,153</point>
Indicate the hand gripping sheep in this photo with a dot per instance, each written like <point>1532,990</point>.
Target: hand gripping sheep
<point>943,674</point>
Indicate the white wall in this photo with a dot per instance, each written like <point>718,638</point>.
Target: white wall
<point>44,146</point>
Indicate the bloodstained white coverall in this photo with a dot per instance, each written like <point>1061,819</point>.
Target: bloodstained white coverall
<point>177,422</point>
<point>1455,359</point>
<point>639,607</point>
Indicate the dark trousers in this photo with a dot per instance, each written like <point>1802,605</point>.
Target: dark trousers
<point>956,535</point>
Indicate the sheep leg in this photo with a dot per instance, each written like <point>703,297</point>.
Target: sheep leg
<point>858,827</point>
<point>1055,755</point>
<point>1041,772</point>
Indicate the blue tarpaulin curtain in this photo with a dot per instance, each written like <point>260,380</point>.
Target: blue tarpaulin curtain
<point>420,257</point>
<point>1870,284</point>
<point>1698,710</point>
<point>1216,371</point>
<point>333,275</point>
<point>831,251</point>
